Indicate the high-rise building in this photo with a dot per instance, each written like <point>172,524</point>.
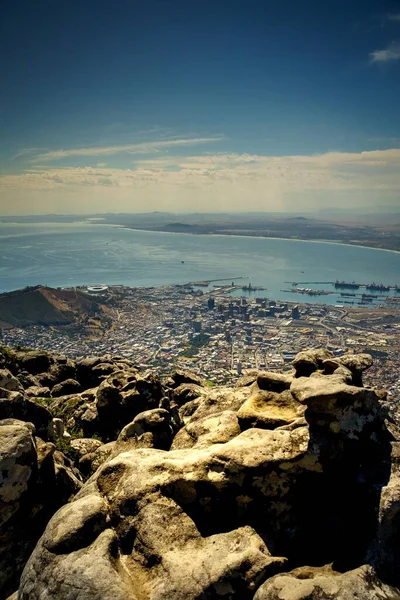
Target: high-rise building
<point>295,312</point>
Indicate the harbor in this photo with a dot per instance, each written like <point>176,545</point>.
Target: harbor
<point>378,287</point>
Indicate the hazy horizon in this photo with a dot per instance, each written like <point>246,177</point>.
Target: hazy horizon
<point>220,107</point>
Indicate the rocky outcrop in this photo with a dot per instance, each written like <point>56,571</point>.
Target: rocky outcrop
<point>34,482</point>
<point>322,583</point>
<point>269,410</point>
<point>9,382</point>
<point>14,405</point>
<point>208,492</point>
<point>387,546</point>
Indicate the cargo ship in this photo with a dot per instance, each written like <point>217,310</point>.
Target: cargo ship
<point>378,287</point>
<point>346,284</point>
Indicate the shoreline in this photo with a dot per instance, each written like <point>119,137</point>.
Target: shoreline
<point>262,237</point>
<point>235,235</point>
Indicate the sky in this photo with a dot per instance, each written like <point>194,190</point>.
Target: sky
<point>190,106</point>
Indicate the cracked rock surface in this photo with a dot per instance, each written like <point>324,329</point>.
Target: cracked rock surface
<point>285,487</point>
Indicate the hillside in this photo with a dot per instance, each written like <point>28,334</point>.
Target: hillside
<point>44,306</point>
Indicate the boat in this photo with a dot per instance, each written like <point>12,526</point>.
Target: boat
<point>346,284</point>
<point>378,287</point>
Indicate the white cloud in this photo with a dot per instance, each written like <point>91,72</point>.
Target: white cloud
<point>208,183</point>
<point>25,152</point>
<point>138,148</point>
<point>389,54</point>
<point>394,17</point>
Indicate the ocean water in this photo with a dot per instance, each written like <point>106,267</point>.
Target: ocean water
<point>80,254</point>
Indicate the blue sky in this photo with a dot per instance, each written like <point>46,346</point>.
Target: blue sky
<point>212,105</point>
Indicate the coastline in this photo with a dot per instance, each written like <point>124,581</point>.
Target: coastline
<point>261,237</point>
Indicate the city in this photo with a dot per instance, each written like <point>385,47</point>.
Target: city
<point>219,336</point>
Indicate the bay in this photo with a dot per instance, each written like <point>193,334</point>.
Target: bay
<point>71,254</point>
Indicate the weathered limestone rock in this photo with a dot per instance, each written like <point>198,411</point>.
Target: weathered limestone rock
<point>357,364</point>
<point>27,380</point>
<point>213,429</point>
<point>17,463</point>
<point>90,372</point>
<point>154,547</point>
<point>308,361</point>
<point>322,583</point>
<point>30,491</point>
<point>218,400</point>
<point>36,391</point>
<point>67,477</point>
<point>69,386</point>
<point>247,379</point>
<point>388,534</point>
<point>55,429</point>
<point>183,376</point>
<point>185,392</point>
<point>62,370</point>
<point>337,405</point>
<point>274,382</point>
<point>9,382</point>
<point>46,379</point>
<point>84,446</point>
<point>89,463</point>
<point>200,491</point>
<point>35,361</point>
<point>156,422</point>
<point>13,405</point>
<point>269,410</point>
<point>188,409</point>
<point>108,396</point>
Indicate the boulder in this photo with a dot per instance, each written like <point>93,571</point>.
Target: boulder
<point>84,446</point>
<point>89,463</point>
<point>308,361</point>
<point>84,372</point>
<point>269,410</point>
<point>68,479</point>
<point>247,379</point>
<point>156,422</point>
<point>27,380</point>
<point>323,583</point>
<point>31,490</point>
<point>357,364</point>
<point>9,382</point>
<point>34,361</point>
<point>187,392</point>
<point>90,372</point>
<point>35,391</point>
<point>387,548</point>
<point>62,370</point>
<point>17,464</point>
<point>69,386</point>
<point>274,382</point>
<point>13,405</point>
<point>213,429</point>
<point>71,409</point>
<point>108,397</point>
<point>188,409</point>
<point>55,429</point>
<point>104,369</point>
<point>217,400</point>
<point>149,494</point>
<point>46,380</point>
<point>183,376</point>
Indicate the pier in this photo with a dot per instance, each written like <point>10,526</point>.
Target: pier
<point>352,284</point>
